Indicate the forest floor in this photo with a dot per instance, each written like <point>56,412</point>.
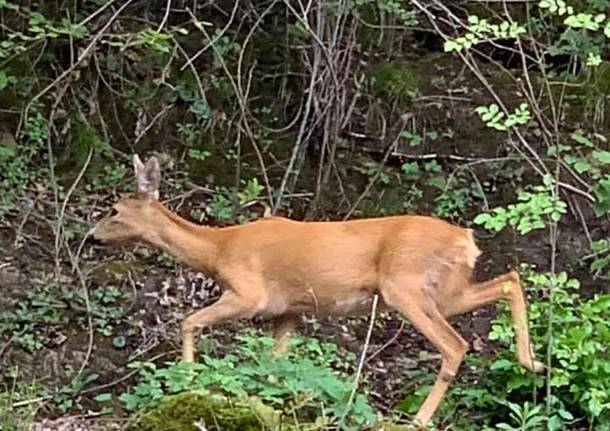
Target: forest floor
<point>139,320</point>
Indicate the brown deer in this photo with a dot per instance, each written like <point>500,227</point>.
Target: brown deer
<point>280,268</point>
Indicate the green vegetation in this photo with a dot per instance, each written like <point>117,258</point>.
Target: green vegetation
<point>305,386</point>
<point>13,416</point>
<point>491,115</point>
<point>395,82</point>
<point>579,352</point>
<point>37,319</point>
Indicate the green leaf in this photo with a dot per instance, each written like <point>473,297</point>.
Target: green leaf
<point>487,116</point>
<point>501,364</point>
<point>101,398</point>
<point>432,166</point>
<point>581,139</point>
<point>437,181</point>
<point>451,45</point>
<point>6,80</point>
<point>201,109</point>
<point>602,194</point>
<point>8,5</point>
<point>594,59</point>
<point>482,218</point>
<point>602,156</point>
<point>7,152</point>
<point>411,170</point>
<point>581,166</point>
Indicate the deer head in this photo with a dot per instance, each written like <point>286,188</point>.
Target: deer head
<point>135,211</point>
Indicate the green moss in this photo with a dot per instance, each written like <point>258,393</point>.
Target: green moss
<point>181,413</point>
<point>395,81</point>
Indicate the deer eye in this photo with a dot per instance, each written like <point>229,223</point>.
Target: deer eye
<point>113,212</point>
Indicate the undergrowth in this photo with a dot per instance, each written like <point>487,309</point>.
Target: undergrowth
<point>310,382</point>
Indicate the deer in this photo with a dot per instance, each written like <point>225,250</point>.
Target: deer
<point>281,269</point>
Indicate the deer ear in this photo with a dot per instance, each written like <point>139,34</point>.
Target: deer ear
<point>137,164</point>
<point>148,176</point>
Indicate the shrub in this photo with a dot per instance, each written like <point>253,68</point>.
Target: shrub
<point>302,384</point>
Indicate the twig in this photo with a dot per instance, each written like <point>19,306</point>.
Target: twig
<point>390,341</point>
<point>97,12</point>
<point>219,35</point>
<point>74,262</point>
<point>152,123</point>
<point>9,342</point>
<point>24,403</point>
<point>166,16</point>
<point>350,401</point>
<point>25,220</point>
<point>316,38</point>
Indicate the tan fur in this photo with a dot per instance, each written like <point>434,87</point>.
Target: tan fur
<point>281,269</point>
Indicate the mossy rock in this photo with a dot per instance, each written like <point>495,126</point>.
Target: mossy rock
<point>214,413</point>
<point>396,81</point>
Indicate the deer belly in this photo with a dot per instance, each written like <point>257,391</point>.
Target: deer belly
<point>350,304</point>
<point>322,303</point>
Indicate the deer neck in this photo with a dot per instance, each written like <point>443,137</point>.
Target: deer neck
<point>189,243</point>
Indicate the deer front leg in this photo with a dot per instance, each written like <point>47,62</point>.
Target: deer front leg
<point>284,328</point>
<point>229,306</point>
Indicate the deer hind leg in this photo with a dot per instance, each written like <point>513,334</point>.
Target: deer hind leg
<point>229,306</point>
<point>284,328</point>
<point>505,287</point>
<point>408,297</point>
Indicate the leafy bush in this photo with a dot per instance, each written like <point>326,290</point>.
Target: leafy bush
<point>532,212</point>
<point>580,355</point>
<point>302,383</point>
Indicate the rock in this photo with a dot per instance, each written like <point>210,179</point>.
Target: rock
<point>194,412</point>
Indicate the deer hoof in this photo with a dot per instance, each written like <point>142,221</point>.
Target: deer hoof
<point>538,367</point>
